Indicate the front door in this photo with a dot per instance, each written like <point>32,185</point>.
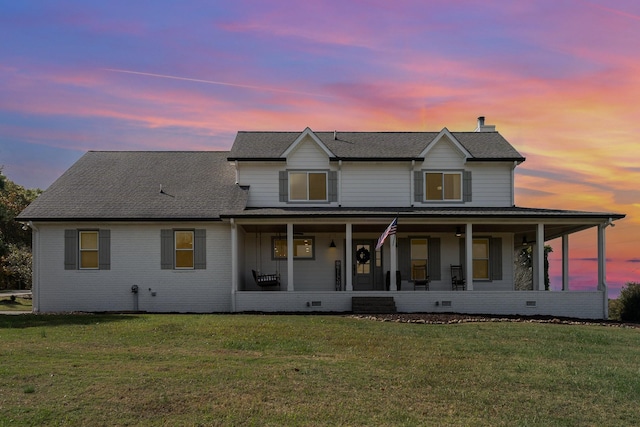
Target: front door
<point>364,254</point>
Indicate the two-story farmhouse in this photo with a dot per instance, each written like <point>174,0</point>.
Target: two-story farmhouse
<point>289,221</point>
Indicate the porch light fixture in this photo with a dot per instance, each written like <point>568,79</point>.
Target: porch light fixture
<point>332,244</point>
<point>458,232</point>
<point>524,241</point>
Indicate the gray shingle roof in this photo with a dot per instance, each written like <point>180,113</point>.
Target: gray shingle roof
<point>121,185</point>
<point>372,145</point>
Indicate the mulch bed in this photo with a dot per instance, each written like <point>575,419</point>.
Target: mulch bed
<point>450,318</point>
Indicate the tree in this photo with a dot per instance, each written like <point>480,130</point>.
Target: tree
<point>524,268</point>
<point>15,240</point>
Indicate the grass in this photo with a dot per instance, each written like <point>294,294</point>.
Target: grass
<point>312,370</point>
<point>19,304</point>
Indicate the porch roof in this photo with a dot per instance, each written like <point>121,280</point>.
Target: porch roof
<point>418,212</point>
<point>518,220</point>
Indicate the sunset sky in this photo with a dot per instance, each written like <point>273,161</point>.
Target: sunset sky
<point>559,79</point>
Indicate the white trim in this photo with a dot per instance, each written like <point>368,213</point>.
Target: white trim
<point>300,138</point>
<point>290,256</point>
<point>565,262</point>
<point>445,132</point>
<point>539,255</point>
<point>468,243</point>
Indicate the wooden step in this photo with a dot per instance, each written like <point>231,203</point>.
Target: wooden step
<point>373,305</point>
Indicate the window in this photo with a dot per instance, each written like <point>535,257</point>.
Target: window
<point>184,249</point>
<point>419,255</point>
<point>88,250</point>
<point>308,186</point>
<point>481,259</point>
<point>443,186</point>
<point>303,248</point>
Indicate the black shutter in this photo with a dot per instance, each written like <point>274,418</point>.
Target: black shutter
<point>70,249</point>
<point>166,249</point>
<point>284,186</point>
<point>418,186</point>
<point>434,268</point>
<point>200,249</point>
<point>333,186</point>
<point>495,254</point>
<point>104,249</point>
<point>466,188</point>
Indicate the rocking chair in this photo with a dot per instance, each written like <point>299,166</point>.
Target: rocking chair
<point>457,278</point>
<point>266,280</point>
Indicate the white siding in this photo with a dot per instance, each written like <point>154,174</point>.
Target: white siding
<point>307,156</point>
<point>444,155</point>
<point>491,184</point>
<point>135,260</point>
<point>375,184</point>
<point>263,181</point>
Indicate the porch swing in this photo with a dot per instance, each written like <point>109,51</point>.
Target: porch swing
<point>265,280</point>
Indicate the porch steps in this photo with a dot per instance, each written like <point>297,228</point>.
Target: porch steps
<point>373,305</point>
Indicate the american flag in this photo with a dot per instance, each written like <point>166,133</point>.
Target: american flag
<point>391,229</point>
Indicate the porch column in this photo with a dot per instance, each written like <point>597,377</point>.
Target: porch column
<point>393,285</point>
<point>602,261</point>
<point>234,264</point>
<point>348,261</point>
<point>468,255</point>
<point>602,270</point>
<point>289,256</point>
<point>539,257</point>
<point>565,262</point>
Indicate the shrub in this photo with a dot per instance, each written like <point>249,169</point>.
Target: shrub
<point>629,302</point>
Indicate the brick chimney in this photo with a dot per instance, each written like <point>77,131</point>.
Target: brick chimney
<point>484,128</point>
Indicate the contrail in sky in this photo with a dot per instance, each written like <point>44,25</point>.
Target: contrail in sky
<point>211,82</point>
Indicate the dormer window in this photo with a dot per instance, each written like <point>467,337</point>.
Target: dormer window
<point>315,186</point>
<point>308,186</point>
<point>443,186</point>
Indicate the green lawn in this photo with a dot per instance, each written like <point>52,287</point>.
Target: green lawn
<point>19,304</point>
<point>313,370</point>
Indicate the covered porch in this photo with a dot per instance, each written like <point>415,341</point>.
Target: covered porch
<point>323,259</point>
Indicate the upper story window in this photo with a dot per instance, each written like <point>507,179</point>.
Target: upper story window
<point>443,186</point>
<point>308,186</point>
<point>88,241</point>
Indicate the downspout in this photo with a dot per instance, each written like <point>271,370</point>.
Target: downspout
<point>513,183</point>
<point>411,183</point>
<point>339,183</point>
<point>35,267</point>
<point>234,263</point>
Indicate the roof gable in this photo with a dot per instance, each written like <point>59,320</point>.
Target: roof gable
<point>444,133</point>
<point>306,133</point>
